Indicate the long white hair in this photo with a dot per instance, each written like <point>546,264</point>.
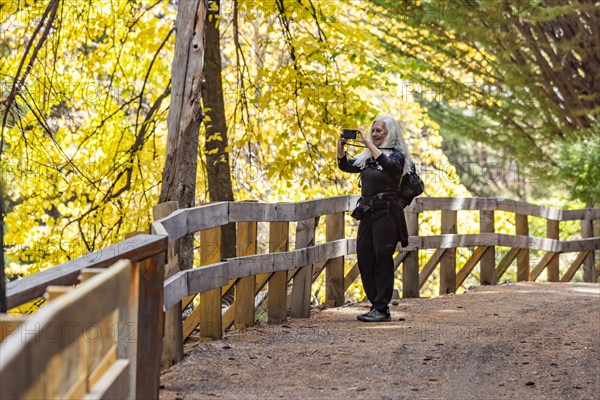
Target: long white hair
<point>393,140</point>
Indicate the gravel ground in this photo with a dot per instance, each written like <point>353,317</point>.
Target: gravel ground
<point>516,341</point>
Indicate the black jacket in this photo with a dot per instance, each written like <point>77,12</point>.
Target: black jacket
<point>379,182</point>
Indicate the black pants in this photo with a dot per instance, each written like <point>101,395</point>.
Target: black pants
<point>375,246</point>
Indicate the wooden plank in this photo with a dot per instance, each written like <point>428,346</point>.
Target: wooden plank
<point>277,290</point>
<point>575,265</point>
<point>114,384</point>
<point>410,268</point>
<point>487,265</point>
<point>542,264</point>
<point>351,276</point>
<point>69,314</point>
<point>448,261</point>
<point>552,230</point>
<point>207,277</point>
<point>176,289</point>
<point>430,266</point>
<point>149,327</point>
<point>89,273</point>
<point>523,274</point>
<point>505,263</point>
<point>244,291</point>
<point>497,204</point>
<point>136,233</point>
<point>587,231</point>
<point>469,265</point>
<point>100,367</point>
<point>207,216</point>
<point>33,286</point>
<point>450,240</point>
<point>53,292</point>
<point>175,224</point>
<point>587,214</point>
<point>287,212</point>
<point>101,342</point>
<point>455,203</point>
<point>78,389</point>
<point>129,324</point>
<point>191,322</point>
<point>576,246</point>
<point>66,369</point>
<point>228,315</point>
<point>334,278</point>
<point>187,300</point>
<point>533,243</point>
<point>9,323</point>
<point>301,291</point>
<point>202,282</point>
<point>523,263</point>
<point>241,267</point>
<point>210,302</point>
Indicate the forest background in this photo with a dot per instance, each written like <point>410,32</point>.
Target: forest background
<point>498,98</point>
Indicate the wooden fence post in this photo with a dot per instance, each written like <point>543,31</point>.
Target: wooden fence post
<point>523,263</point>
<point>448,262</point>
<point>277,295</point>
<point>173,341</point>
<point>301,291</point>
<point>488,260</point>
<point>150,325</point>
<point>410,267</point>
<point>245,288</point>
<point>334,269</point>
<point>587,231</point>
<point>552,228</point>
<point>210,302</point>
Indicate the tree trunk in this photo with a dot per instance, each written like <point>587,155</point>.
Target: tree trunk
<point>217,158</point>
<point>3,307</point>
<point>185,115</point>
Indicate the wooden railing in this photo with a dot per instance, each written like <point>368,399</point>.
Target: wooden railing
<point>101,339</point>
<point>249,273</point>
<point>288,276</point>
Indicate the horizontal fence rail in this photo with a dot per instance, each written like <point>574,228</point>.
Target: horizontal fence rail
<point>33,286</point>
<point>212,276</point>
<point>195,219</point>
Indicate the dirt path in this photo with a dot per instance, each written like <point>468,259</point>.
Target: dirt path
<point>520,341</point>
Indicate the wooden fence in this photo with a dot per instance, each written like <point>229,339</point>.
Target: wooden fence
<point>30,367</point>
<point>249,273</point>
<point>101,339</point>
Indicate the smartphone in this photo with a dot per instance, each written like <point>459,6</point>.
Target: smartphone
<point>349,133</point>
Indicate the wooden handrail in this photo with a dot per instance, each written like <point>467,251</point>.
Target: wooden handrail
<point>199,218</point>
<point>212,276</point>
<point>33,286</point>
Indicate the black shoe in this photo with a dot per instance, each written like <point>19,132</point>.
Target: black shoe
<point>376,316</point>
<point>362,316</point>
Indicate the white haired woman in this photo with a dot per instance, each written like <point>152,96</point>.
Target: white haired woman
<point>380,211</point>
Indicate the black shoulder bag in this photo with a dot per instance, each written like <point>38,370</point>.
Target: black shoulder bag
<point>410,186</point>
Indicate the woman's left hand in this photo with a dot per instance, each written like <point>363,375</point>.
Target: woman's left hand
<point>362,138</point>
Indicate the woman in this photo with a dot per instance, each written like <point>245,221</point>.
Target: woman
<point>382,225</point>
